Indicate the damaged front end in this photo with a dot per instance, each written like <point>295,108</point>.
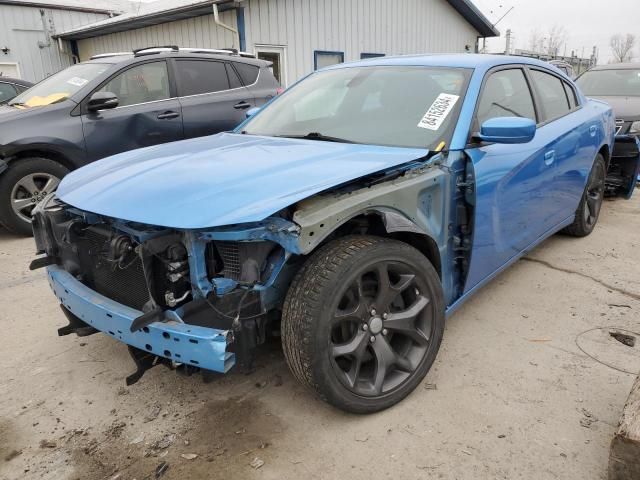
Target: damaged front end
<point>624,167</point>
<point>190,300</point>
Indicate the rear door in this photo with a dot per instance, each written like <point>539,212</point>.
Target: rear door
<point>148,112</point>
<point>212,97</point>
<point>514,183</point>
<point>570,137</point>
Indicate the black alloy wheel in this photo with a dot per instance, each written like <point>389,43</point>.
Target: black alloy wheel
<point>363,321</point>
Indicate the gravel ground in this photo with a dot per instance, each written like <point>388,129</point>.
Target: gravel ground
<point>515,391</point>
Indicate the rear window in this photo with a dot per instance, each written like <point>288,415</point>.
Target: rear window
<point>623,82</point>
<point>201,76</point>
<point>552,94</point>
<point>248,73</point>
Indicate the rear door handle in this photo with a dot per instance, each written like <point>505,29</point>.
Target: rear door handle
<point>242,105</point>
<point>593,130</point>
<point>168,115</point>
<point>549,157</point>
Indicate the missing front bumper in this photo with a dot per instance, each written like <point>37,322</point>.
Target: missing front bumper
<point>182,343</point>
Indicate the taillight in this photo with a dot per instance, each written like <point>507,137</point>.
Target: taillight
<point>279,90</point>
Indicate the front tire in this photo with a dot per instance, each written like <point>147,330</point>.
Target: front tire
<point>363,321</point>
<point>591,202</point>
<point>22,186</point>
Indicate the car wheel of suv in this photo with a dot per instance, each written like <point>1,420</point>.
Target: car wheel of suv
<point>22,186</point>
<point>591,202</point>
<point>363,321</point>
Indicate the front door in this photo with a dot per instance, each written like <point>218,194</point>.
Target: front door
<point>146,114</point>
<point>515,204</point>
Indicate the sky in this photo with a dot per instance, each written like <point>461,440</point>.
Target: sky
<point>587,22</point>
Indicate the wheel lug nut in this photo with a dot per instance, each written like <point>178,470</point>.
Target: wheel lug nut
<point>365,327</point>
<point>384,331</point>
<point>373,339</point>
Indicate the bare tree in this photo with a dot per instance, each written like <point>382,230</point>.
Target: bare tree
<point>556,38</point>
<point>622,47</point>
<point>536,41</point>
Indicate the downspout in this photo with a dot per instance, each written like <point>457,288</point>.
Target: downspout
<point>216,18</point>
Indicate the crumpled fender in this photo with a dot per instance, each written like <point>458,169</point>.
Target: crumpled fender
<point>410,203</point>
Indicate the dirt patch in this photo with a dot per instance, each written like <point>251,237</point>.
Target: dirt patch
<point>225,437</point>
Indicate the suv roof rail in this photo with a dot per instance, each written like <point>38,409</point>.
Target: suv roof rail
<point>107,55</point>
<point>174,48</point>
<point>218,51</point>
<point>158,49</point>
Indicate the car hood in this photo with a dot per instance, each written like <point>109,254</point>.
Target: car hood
<point>625,108</point>
<point>220,180</point>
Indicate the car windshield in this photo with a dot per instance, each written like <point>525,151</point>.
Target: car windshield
<point>616,83</point>
<point>382,105</point>
<point>60,86</point>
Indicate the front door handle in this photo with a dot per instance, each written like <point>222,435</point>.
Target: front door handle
<point>242,105</point>
<point>549,157</point>
<point>168,115</point>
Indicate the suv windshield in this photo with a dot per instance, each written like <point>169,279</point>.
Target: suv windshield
<point>618,83</point>
<point>384,105</point>
<point>60,86</point>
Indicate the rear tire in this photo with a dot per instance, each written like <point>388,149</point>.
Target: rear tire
<point>591,202</point>
<point>22,186</point>
<point>361,338</point>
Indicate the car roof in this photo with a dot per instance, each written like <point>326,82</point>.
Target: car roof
<point>125,57</point>
<point>463,60</point>
<point>618,66</point>
<point>17,81</point>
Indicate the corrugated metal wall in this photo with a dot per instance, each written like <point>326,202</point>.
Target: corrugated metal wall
<point>199,32</point>
<point>303,26</point>
<point>354,27</point>
<point>21,29</point>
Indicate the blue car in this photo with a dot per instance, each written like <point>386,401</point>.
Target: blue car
<point>348,217</point>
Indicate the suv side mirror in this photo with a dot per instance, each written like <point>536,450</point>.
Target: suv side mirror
<point>508,130</point>
<point>102,101</point>
<point>252,111</point>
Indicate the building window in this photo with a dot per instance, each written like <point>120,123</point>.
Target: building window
<point>323,59</point>
<point>364,56</point>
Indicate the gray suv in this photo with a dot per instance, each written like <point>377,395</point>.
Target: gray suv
<point>115,103</point>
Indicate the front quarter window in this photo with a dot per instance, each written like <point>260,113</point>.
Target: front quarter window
<point>60,86</point>
<point>410,106</point>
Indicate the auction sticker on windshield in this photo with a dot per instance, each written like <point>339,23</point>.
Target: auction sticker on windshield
<point>438,111</point>
<point>77,81</point>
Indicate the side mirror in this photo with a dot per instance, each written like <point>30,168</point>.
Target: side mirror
<point>102,101</point>
<point>508,130</point>
<point>252,111</point>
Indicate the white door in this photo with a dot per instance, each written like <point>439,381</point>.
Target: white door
<point>277,54</point>
<point>9,70</point>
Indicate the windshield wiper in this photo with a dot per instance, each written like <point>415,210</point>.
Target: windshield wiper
<point>19,104</point>
<point>318,136</point>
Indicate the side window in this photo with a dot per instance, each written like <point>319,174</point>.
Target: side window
<point>552,94</point>
<point>234,81</point>
<point>144,83</point>
<point>323,59</point>
<point>571,95</point>
<point>248,73</point>
<point>505,94</point>
<point>7,92</point>
<point>201,76</point>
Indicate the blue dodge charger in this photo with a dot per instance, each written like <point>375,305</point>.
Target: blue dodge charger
<point>348,218</point>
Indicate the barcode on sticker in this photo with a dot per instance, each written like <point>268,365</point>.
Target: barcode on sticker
<point>438,111</point>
